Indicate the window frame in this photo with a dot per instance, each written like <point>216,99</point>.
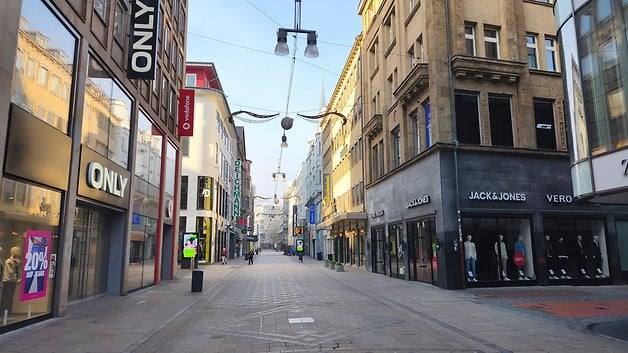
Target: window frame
<point>532,47</point>
<point>491,41</point>
<point>550,54</point>
<point>469,38</point>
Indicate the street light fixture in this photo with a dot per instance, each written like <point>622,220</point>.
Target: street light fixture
<point>311,51</point>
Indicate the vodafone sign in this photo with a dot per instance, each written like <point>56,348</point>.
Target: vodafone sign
<point>186,112</point>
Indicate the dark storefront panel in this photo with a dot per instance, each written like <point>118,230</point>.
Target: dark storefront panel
<point>378,249</point>
<point>422,251</point>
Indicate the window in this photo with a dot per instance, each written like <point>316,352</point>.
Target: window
<point>119,28</point>
<point>42,76</point>
<point>185,146</point>
<point>100,6</point>
<point>373,65</point>
<point>148,157</point>
<point>389,31</point>
<point>204,193</point>
<point>190,80</point>
<point>469,39</point>
<point>532,58</point>
<point>491,43</point>
<point>550,54</point>
<point>377,159</point>
<point>428,124</point>
<point>501,121</point>
<point>467,118</point>
<point>544,119</point>
<point>183,202</point>
<point>416,137</point>
<point>412,59</point>
<point>395,144</point>
<point>44,37</point>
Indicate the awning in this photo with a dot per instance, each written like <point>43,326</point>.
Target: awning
<point>344,216</point>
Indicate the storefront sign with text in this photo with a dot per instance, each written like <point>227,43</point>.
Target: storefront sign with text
<point>497,196</point>
<point>36,260</point>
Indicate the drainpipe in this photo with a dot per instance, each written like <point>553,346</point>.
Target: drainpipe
<point>452,108</point>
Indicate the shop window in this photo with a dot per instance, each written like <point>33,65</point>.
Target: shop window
<point>29,230</point>
<point>544,119</point>
<point>398,249</point>
<point>422,250</point>
<point>48,49</point>
<point>183,202</point>
<point>148,151</point>
<point>575,248</point>
<point>501,121</point>
<point>622,242</point>
<point>467,118</point>
<point>497,249</point>
<point>532,51</point>
<point>106,115</point>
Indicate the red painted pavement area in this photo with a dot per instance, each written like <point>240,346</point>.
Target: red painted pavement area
<point>573,309</point>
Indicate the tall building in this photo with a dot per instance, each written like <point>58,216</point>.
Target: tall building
<point>343,205</point>
<point>211,168</point>
<point>312,198</point>
<point>89,150</point>
<point>591,36</point>
<point>465,149</point>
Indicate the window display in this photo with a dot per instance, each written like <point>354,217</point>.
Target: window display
<point>575,249</point>
<point>498,249</point>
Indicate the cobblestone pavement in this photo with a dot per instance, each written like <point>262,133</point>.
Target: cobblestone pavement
<point>280,305</point>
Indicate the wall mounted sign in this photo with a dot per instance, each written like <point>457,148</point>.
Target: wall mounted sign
<point>186,112</point>
<point>425,199</point>
<point>142,51</point>
<point>559,198</point>
<point>497,196</point>
<point>109,181</point>
<point>103,180</point>
<point>236,188</point>
<point>377,214</point>
<point>326,187</point>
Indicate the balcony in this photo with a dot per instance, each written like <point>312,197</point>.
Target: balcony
<point>416,81</point>
<point>374,126</point>
<point>476,68</point>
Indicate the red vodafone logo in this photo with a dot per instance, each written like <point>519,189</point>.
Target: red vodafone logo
<point>519,259</point>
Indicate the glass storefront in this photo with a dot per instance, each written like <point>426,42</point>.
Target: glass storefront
<point>497,249</point>
<point>29,235</point>
<point>378,252</point>
<point>398,249</point>
<point>141,272</point>
<point>575,248</point>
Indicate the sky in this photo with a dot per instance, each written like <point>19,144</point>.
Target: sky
<point>239,37</point>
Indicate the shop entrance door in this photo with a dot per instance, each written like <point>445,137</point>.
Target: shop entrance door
<point>90,247</point>
<point>378,243</point>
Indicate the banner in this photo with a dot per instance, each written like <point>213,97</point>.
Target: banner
<point>186,112</point>
<point>36,260</point>
<point>143,48</point>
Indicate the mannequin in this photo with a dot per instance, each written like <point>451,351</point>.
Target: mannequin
<point>520,248</point>
<point>470,256</point>
<point>549,255</point>
<point>581,257</point>
<point>502,257</point>
<point>563,258</point>
<point>596,257</point>
<point>11,276</point>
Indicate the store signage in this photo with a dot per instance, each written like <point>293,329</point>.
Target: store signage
<point>109,181</point>
<point>36,260</point>
<point>610,171</point>
<point>497,196</point>
<point>419,201</point>
<point>142,51</point>
<point>624,162</point>
<point>186,112</point>
<point>312,213</point>
<point>236,188</point>
<point>559,198</point>
<point>377,214</point>
<point>326,187</point>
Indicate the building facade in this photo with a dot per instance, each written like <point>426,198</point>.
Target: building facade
<point>210,168</point>
<point>592,36</point>
<point>343,204</point>
<point>465,149</point>
<point>89,152</point>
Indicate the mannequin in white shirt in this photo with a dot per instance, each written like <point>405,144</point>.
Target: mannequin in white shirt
<point>470,257</point>
<point>502,257</point>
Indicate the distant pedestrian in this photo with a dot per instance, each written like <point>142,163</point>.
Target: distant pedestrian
<point>223,254</point>
<point>250,256</point>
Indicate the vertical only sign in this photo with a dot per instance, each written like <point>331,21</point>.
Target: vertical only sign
<point>36,260</point>
<point>142,50</point>
<point>186,112</point>
<point>236,188</point>
<point>326,187</point>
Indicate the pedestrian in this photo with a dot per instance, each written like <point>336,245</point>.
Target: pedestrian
<point>223,254</point>
<point>250,256</point>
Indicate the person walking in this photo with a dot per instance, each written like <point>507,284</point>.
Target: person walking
<point>223,254</point>
<point>250,256</point>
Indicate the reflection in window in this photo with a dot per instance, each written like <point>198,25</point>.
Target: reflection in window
<point>531,44</point>
<point>148,155</point>
<point>106,115</point>
<point>501,121</point>
<point>550,54</point>
<point>47,49</point>
<point>100,6</point>
<point>467,118</point>
<point>119,28</point>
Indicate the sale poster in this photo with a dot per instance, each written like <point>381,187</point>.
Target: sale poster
<point>36,260</point>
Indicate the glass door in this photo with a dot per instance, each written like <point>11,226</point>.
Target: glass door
<point>88,259</point>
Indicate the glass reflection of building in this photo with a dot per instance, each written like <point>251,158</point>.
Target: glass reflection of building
<point>592,36</point>
<point>85,156</point>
